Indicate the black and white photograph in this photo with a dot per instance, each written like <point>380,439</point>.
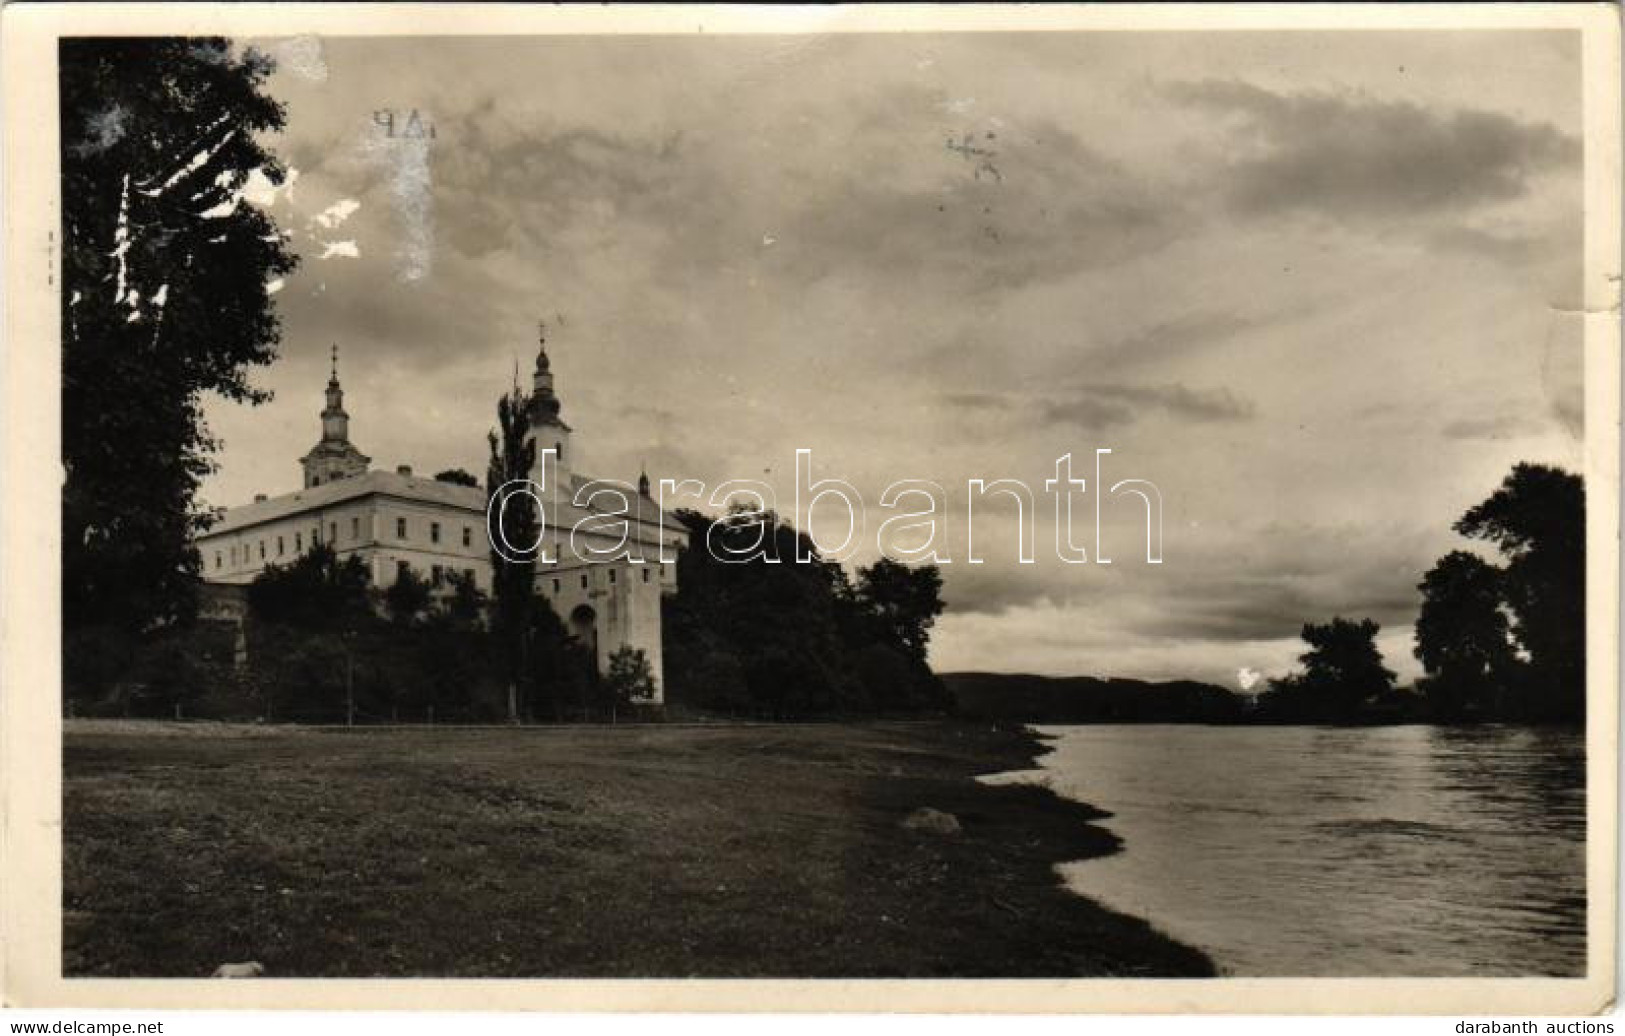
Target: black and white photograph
<point>831,502</point>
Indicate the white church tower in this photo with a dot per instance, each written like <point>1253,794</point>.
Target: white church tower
<point>606,602</point>
<point>546,426</point>
<point>334,457</point>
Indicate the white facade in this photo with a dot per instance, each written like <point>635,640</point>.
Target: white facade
<point>608,604</point>
<point>389,518</point>
<point>612,549</point>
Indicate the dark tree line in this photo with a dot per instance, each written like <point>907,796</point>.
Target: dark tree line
<point>795,640</point>
<point>324,645</point>
<point>1507,641</point>
<point>1498,642</point>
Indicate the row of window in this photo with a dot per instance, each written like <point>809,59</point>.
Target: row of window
<point>242,556</point>
<point>434,532</point>
<point>558,584</point>
<point>439,575</point>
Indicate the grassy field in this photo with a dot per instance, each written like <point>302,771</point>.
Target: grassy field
<point>586,851</point>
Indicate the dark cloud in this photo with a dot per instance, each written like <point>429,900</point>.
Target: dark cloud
<point>794,207</point>
<point>511,185</point>
<point>1517,250</point>
<point>1276,578</point>
<point>1180,401</point>
<point>1267,609</point>
<point>1040,205</point>
<point>1350,157</point>
<point>1101,407</point>
<point>1499,426</point>
<point>1171,339</point>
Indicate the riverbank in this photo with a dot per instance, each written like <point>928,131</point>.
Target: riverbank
<point>583,851</point>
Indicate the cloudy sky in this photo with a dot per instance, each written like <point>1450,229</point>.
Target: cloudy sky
<point>1311,285</point>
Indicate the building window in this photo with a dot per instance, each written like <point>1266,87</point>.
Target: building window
<point>333,532</point>
<point>217,559</point>
<point>355,527</point>
<point>279,546</point>
<point>555,586</point>
<point>612,577</point>
<point>437,575</point>
<point>468,574</point>
<point>401,569</point>
<point>468,536</point>
<point>583,581</point>
<point>298,543</point>
<point>645,573</point>
<point>262,550</point>
<point>400,528</point>
<point>434,532</point>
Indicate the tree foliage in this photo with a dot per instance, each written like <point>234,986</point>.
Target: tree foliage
<point>513,455</point>
<point>1507,642</point>
<point>1537,520</point>
<point>317,639</point>
<point>317,592</point>
<point>457,477</point>
<point>1343,674</point>
<point>1462,637</point>
<point>905,601</point>
<point>464,609</point>
<point>164,301</point>
<point>786,640</point>
<point>630,680</point>
<point>407,598</point>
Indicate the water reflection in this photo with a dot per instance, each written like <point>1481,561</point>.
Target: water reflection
<point>1332,851</point>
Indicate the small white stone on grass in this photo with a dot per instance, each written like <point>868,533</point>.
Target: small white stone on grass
<point>933,820</point>
<point>247,969</point>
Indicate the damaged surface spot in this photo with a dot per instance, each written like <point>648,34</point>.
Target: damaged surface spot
<point>405,160</point>
<point>303,57</point>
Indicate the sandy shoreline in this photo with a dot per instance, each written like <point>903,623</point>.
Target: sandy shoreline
<point>760,851</point>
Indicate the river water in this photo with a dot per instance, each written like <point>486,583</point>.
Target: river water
<point>1292,851</point>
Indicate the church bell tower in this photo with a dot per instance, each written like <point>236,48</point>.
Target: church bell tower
<point>546,426</point>
<point>334,457</point>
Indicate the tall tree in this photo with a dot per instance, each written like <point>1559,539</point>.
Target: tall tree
<point>165,299</point>
<point>513,454</point>
<point>1462,637</point>
<point>907,601</point>
<point>1342,672</point>
<point>1343,661</point>
<point>1537,519</point>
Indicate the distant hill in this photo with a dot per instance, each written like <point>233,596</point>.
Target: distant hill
<point>1088,699</point>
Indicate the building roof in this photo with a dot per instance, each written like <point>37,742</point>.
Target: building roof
<point>470,499</point>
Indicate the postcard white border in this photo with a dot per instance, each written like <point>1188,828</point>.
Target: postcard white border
<point>30,481</point>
